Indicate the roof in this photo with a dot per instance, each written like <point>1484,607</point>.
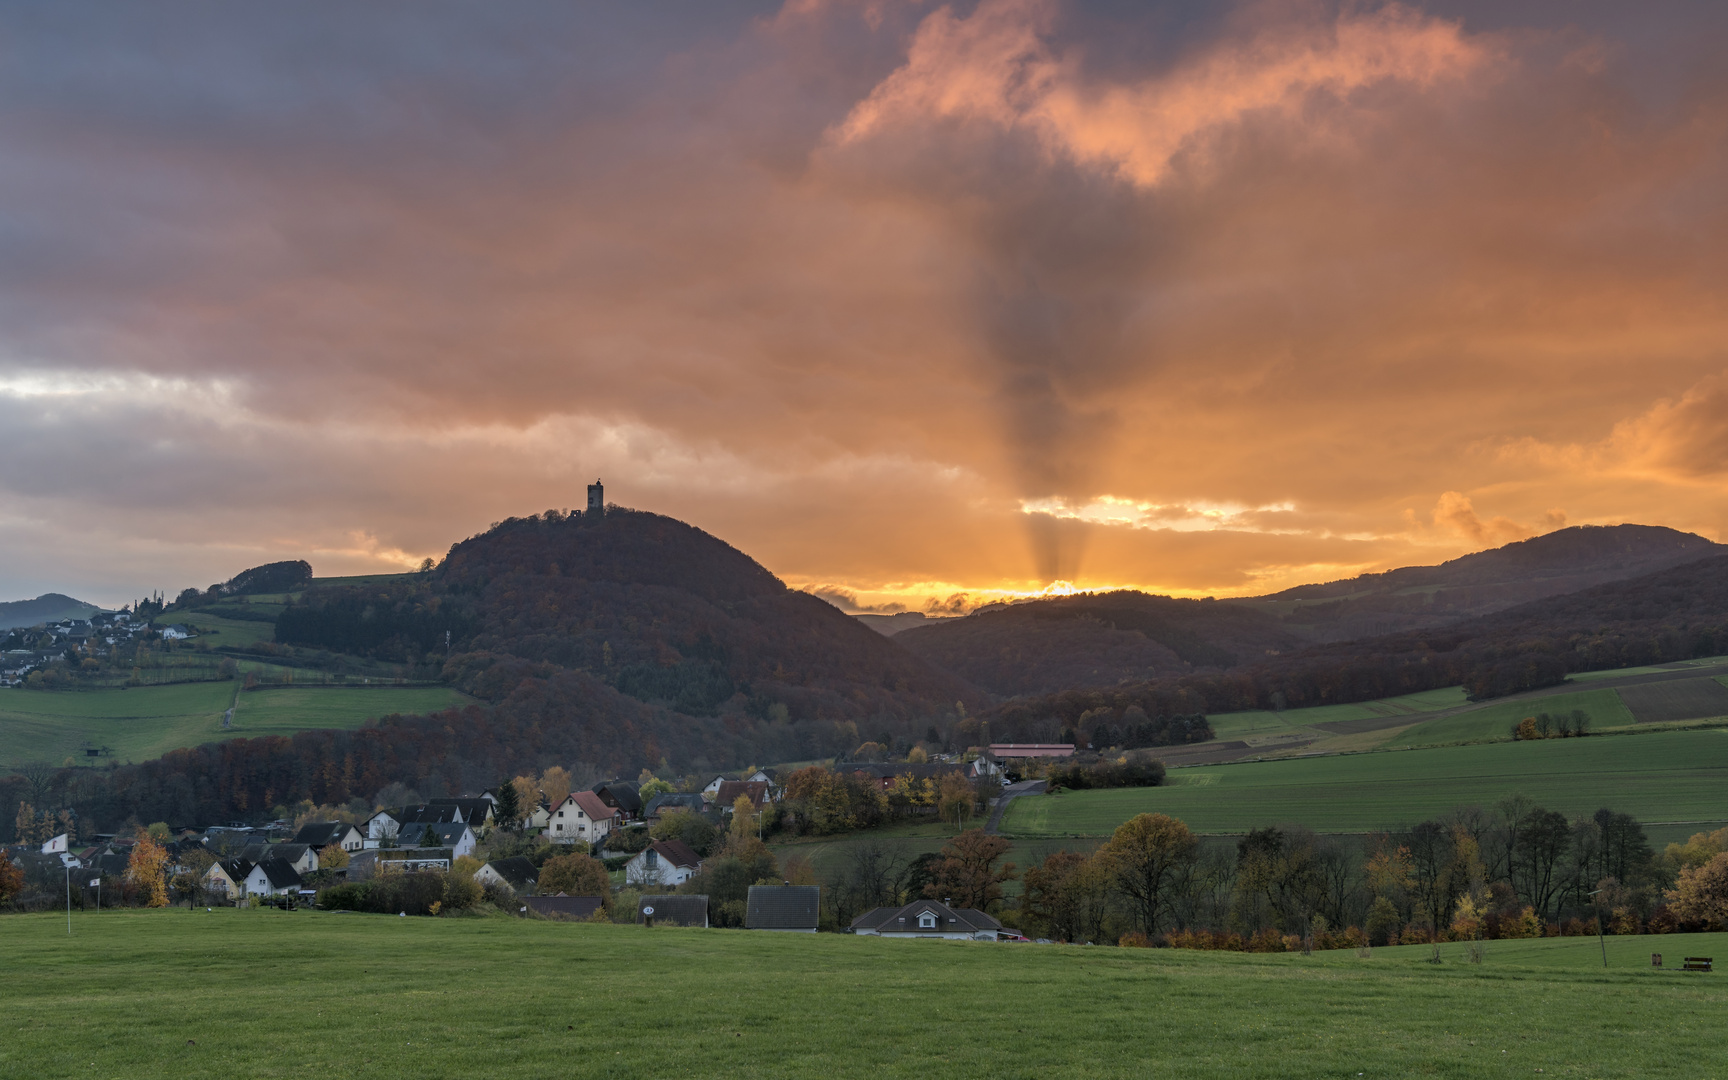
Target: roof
<point>320,834</point>
<point>258,852</point>
<point>474,811</point>
<point>676,800</point>
<point>517,871</point>
<point>731,789</point>
<point>430,814</point>
<point>280,873</point>
<point>236,869</point>
<point>564,907</point>
<point>676,852</point>
<point>905,919</point>
<point>592,805</point>
<point>449,833</point>
<point>621,794</point>
<point>783,907</point>
<point>675,910</point>
<point>1026,750</point>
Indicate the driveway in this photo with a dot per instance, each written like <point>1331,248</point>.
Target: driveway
<point>1009,794</point>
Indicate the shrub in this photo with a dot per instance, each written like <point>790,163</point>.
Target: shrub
<point>1134,939</point>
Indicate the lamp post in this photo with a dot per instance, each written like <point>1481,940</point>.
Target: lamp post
<point>1600,940</point>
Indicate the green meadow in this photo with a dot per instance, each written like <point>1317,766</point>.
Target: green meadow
<point>1658,776</point>
<point>1496,720</point>
<point>143,722</point>
<point>264,994</point>
<point>1239,725</point>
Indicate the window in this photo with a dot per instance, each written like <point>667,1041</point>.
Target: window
<point>926,921</point>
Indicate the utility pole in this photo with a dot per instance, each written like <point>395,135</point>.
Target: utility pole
<point>1600,940</point>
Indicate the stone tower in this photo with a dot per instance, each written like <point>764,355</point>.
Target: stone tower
<point>596,499</point>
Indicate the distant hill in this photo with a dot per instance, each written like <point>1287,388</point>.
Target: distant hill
<point>49,607</point>
<point>889,625</point>
<point>1680,613</point>
<point>1414,597</point>
<point>1096,639</point>
<point>650,611</point>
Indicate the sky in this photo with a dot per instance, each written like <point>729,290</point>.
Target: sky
<point>919,305</point>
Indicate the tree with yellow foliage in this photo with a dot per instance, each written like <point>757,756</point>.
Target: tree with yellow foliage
<point>1700,895</point>
<point>744,818</point>
<point>332,857</point>
<point>147,869</point>
<point>555,785</point>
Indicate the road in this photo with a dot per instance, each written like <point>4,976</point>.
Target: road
<point>1009,794</point>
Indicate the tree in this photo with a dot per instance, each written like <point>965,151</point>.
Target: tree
<point>1146,855</point>
<point>11,879</point>
<point>508,810</point>
<point>966,875</point>
<point>653,786</point>
<point>1537,848</point>
<point>332,857</point>
<point>158,831</point>
<point>555,785</point>
<point>147,868</point>
<point>1700,895</point>
<point>527,795</point>
<point>431,838</point>
<point>743,818</point>
<point>38,776</point>
<point>954,799</point>
<point>575,875</point>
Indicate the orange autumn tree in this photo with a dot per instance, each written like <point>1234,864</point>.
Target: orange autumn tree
<point>148,870</point>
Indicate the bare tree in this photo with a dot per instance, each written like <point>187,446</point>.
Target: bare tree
<point>40,776</point>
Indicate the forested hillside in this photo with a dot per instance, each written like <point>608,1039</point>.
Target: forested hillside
<point>1416,597</point>
<point>1096,640</point>
<point>1675,614</point>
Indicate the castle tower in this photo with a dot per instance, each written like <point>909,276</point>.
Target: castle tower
<point>596,499</point>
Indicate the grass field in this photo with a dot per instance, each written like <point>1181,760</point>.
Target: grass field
<point>264,994</point>
<point>145,722</point>
<point>1676,699</point>
<point>1496,720</point>
<point>235,633</point>
<point>1660,776</point>
<point>1265,722</point>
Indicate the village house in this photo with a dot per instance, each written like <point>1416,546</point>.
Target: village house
<point>711,790</point>
<point>581,819</point>
<point>788,909</point>
<point>272,877</point>
<point>302,857</point>
<point>227,877</point>
<point>727,793</point>
<point>567,908</point>
<point>663,862</point>
<point>381,828</point>
<point>675,802</point>
<point>1016,751</point>
<point>319,835</point>
<point>515,873</point>
<point>621,796</point>
<point>928,919</point>
<point>457,836</point>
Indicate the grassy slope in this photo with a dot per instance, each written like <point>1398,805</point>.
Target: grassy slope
<point>266,994</point>
<point>1662,776</point>
<point>1495,721</point>
<point>145,722</point>
<point>1262,722</point>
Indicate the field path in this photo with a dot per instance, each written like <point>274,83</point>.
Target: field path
<point>1009,794</point>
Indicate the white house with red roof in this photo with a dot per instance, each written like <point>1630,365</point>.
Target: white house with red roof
<point>580,819</point>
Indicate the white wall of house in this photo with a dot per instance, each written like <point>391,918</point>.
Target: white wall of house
<point>648,868</point>
<point>570,824</point>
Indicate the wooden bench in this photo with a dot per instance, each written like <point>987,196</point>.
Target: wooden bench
<point>1695,963</point>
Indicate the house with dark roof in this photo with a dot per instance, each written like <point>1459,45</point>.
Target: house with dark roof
<point>567,908</point>
<point>674,801</point>
<point>273,877</point>
<point>928,919</point>
<point>458,836</point>
<point>663,862</point>
<point>621,796</point>
<point>302,857</point>
<point>319,835</point>
<point>668,909</point>
<point>476,812</point>
<point>793,909</point>
<point>228,877</point>
<point>515,873</point>
<point>582,818</point>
